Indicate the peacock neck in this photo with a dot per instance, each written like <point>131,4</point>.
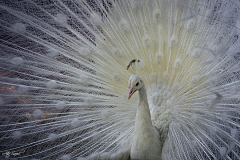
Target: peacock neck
<point>145,144</point>
<point>143,113</point>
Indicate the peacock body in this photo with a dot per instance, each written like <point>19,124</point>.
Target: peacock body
<point>64,82</point>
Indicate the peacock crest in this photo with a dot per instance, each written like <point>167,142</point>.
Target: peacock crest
<point>64,82</point>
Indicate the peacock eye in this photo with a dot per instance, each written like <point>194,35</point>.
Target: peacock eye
<point>137,83</point>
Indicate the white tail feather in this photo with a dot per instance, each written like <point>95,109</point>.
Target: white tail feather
<point>63,77</point>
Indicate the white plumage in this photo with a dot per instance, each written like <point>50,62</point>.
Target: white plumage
<point>146,142</point>
<point>63,79</point>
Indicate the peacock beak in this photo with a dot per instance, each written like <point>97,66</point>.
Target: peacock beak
<point>130,93</point>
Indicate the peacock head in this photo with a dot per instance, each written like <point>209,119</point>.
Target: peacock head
<point>135,82</point>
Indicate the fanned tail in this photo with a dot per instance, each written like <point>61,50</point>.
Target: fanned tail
<point>64,80</point>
